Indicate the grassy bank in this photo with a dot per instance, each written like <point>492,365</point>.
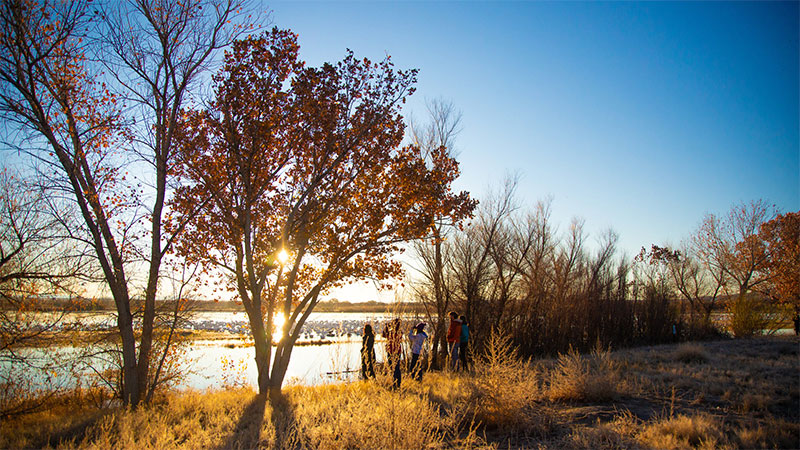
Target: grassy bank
<point>722,394</point>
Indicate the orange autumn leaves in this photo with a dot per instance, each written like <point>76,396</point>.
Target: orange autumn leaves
<point>780,238</point>
<point>307,158</point>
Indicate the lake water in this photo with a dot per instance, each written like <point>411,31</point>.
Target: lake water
<point>220,363</point>
<point>217,363</point>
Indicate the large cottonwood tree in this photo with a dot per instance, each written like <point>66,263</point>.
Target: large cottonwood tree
<point>308,185</point>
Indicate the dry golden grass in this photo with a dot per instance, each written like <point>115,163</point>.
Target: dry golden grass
<point>64,413</point>
<point>744,395</point>
<point>616,434</point>
<point>681,432</point>
<point>771,433</point>
<point>364,415</point>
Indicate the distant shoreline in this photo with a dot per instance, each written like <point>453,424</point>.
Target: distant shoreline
<point>107,305</point>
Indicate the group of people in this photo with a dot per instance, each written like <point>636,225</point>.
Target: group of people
<point>457,348</point>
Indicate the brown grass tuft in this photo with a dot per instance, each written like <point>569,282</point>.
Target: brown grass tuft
<point>505,388</point>
<point>613,435</point>
<point>691,353</point>
<point>700,431</point>
<point>773,433</point>
<point>584,379</point>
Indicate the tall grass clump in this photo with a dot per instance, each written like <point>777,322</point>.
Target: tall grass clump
<point>506,387</point>
<point>691,353</point>
<point>680,432</point>
<point>577,378</point>
<point>773,433</point>
<point>617,434</point>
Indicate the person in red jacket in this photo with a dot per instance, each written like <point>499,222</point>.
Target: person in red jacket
<point>453,339</point>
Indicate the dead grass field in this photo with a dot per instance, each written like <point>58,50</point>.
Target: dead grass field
<point>712,395</point>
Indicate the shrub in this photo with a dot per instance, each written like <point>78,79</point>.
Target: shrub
<point>690,353</point>
<point>506,388</point>
<point>751,315</point>
<point>579,379</point>
<point>700,327</point>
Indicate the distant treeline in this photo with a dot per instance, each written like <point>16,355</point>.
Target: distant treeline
<point>324,306</point>
<point>107,304</point>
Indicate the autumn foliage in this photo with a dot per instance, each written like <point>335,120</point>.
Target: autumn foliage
<point>780,238</point>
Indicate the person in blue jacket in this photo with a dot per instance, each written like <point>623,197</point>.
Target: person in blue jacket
<point>417,337</point>
<point>463,351</point>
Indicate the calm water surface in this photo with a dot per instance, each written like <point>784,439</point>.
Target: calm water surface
<point>220,363</point>
<point>215,364</point>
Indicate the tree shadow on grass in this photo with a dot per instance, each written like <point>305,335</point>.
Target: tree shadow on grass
<point>284,424</point>
<point>75,433</point>
<point>247,433</point>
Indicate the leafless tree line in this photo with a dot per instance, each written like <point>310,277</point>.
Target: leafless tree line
<point>512,270</point>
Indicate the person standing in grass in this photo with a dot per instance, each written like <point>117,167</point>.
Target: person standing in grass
<point>368,353</point>
<point>394,349</point>
<point>454,339</point>
<point>463,345</point>
<point>417,337</point>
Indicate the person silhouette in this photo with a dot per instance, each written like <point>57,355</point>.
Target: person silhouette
<point>463,345</point>
<point>368,353</point>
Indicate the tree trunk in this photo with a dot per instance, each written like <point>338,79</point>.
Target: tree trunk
<point>146,344</point>
<point>263,348</point>
<point>130,387</point>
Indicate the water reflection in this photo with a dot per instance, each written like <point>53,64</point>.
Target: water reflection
<point>217,364</point>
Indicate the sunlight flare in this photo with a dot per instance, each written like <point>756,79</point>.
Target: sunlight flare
<point>283,256</point>
<point>278,322</point>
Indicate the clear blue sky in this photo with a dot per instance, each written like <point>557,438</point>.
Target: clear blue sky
<point>640,117</point>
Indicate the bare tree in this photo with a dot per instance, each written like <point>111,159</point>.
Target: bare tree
<point>536,269</point>
<point>71,122</point>
<point>437,137</point>
<point>37,263</point>
<point>157,51</point>
<point>695,283</point>
<point>729,244</point>
<point>473,260</point>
